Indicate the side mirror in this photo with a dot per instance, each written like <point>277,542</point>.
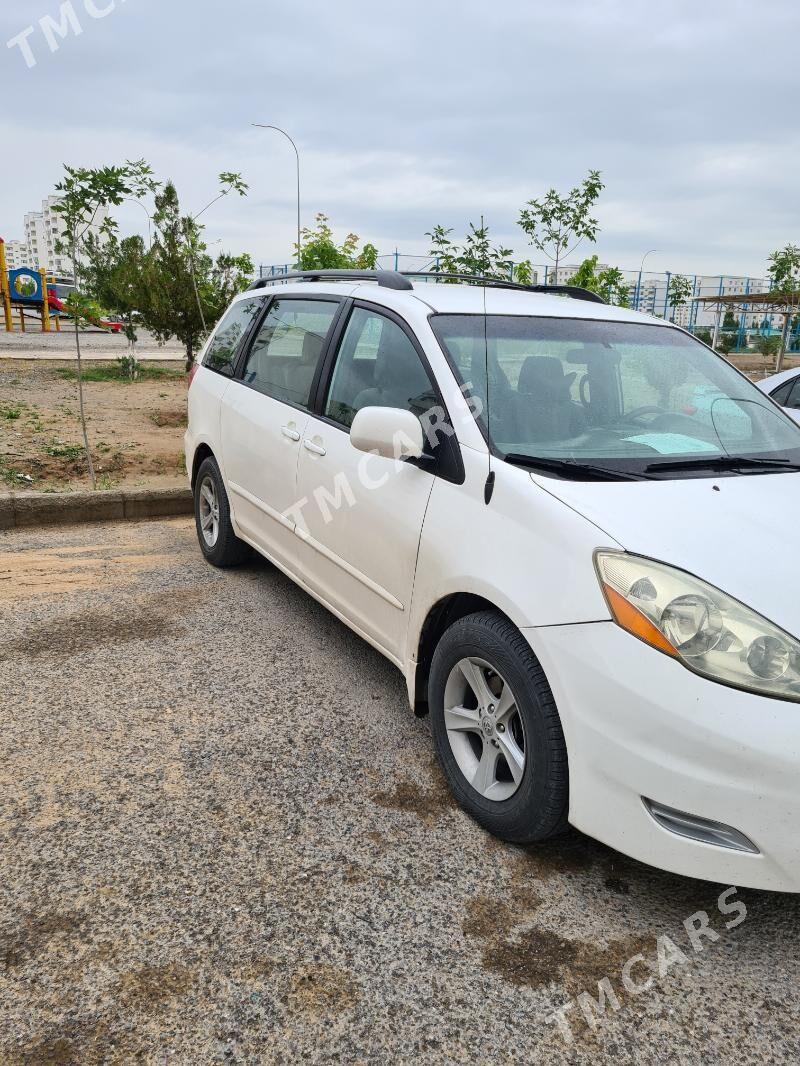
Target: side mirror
<point>389,431</point>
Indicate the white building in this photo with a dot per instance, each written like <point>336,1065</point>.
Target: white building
<point>16,254</point>
<point>564,273</point>
<point>42,230</point>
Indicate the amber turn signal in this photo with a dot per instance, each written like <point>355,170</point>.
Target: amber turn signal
<point>627,616</point>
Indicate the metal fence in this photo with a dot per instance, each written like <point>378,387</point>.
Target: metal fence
<point>647,291</point>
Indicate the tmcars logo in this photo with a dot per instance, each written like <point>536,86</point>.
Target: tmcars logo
<point>56,28</point>
<point>641,971</point>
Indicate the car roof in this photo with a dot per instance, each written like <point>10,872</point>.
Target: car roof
<point>774,380</point>
<point>460,299</point>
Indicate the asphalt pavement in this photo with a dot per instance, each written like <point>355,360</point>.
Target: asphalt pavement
<point>224,838</point>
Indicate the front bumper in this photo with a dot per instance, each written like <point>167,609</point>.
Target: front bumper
<point>638,724</point>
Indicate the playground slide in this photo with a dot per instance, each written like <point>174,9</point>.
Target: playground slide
<point>57,305</point>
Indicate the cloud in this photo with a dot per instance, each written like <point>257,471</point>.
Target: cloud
<point>409,115</point>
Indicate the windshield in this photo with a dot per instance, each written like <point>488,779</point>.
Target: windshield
<point>614,395</point>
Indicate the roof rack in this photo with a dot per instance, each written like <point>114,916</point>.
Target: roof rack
<point>393,279</point>
<point>387,279</point>
<point>575,291</point>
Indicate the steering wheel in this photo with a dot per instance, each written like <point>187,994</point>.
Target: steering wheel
<point>638,412</point>
<point>582,391</point>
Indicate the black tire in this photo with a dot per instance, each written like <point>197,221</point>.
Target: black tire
<point>227,550</point>
<point>538,809</point>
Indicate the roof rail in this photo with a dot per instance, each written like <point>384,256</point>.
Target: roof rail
<point>388,279</point>
<point>574,291</point>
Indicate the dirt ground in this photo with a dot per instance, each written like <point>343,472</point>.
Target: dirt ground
<point>758,366</point>
<point>224,840</point>
<point>135,428</point>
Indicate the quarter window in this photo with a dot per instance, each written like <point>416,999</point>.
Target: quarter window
<point>377,366</point>
<point>286,351</point>
<point>221,352</point>
<point>781,394</point>
<point>793,400</point>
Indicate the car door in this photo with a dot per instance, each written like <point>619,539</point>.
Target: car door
<point>360,515</point>
<point>264,415</point>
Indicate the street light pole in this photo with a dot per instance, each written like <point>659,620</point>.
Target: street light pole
<point>131,200</point>
<point>278,129</point>
<point>652,251</point>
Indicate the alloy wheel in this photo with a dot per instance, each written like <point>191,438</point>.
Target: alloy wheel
<point>209,511</point>
<point>484,728</point>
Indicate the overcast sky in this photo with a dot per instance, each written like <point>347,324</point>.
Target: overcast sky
<point>415,113</point>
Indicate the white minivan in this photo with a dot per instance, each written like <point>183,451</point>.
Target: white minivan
<point>567,524</point>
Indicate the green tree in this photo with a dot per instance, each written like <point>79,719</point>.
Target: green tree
<point>229,181</point>
<point>84,195</point>
<point>609,283</point>
<point>679,292</point>
<point>784,277</point>
<point>115,273</point>
<point>25,288</point>
<point>557,224</point>
<point>768,345</point>
<point>321,252</point>
<point>476,257</point>
<point>228,276</point>
<point>523,272</point>
<point>185,289</point>
<point>729,333</point>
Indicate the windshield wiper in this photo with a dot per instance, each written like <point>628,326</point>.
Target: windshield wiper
<point>722,462</point>
<point>571,467</point>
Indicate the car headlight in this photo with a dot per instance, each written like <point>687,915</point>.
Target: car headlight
<point>706,630</point>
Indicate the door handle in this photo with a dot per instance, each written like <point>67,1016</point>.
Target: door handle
<point>310,446</point>
<point>292,434</point>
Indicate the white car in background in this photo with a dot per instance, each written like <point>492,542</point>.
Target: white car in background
<point>784,388</point>
<point>564,522</point>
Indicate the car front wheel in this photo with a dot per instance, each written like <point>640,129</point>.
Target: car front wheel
<point>497,731</point>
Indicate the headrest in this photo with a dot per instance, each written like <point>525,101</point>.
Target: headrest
<point>391,364</point>
<point>593,351</point>
<point>312,347</point>
<point>542,373</point>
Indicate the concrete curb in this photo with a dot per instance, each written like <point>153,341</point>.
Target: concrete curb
<point>49,509</point>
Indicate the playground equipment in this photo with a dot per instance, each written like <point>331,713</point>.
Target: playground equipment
<point>26,290</point>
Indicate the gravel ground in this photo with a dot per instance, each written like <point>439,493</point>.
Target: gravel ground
<point>34,344</point>
<point>224,839</point>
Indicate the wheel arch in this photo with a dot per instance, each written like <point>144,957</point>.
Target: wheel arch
<point>201,453</point>
<point>444,613</point>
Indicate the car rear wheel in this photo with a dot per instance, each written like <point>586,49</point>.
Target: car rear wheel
<point>218,542</point>
<point>497,732</point>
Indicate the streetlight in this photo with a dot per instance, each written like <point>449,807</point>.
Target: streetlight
<point>131,200</point>
<point>278,129</point>
<point>652,251</point>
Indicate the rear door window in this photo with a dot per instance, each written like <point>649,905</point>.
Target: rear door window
<point>287,348</point>
<point>226,342</point>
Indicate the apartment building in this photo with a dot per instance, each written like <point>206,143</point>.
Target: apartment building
<point>16,254</point>
<point>42,230</point>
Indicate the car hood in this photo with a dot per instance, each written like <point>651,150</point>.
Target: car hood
<point>734,532</point>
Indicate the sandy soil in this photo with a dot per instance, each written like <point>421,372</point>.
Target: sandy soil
<point>135,429</point>
<point>758,366</point>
